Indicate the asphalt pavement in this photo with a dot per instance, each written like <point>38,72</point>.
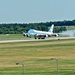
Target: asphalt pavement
<point>50,38</point>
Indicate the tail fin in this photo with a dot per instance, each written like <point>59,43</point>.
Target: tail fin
<point>51,28</point>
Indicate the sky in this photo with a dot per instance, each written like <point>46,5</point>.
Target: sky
<point>34,11</point>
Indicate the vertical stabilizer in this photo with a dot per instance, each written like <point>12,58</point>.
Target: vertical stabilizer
<point>51,28</point>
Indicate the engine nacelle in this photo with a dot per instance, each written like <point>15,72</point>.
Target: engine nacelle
<point>26,34</point>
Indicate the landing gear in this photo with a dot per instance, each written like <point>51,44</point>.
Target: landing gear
<point>40,36</point>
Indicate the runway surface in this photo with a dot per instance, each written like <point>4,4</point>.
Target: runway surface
<point>51,38</point>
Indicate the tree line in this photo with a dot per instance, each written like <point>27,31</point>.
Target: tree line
<point>17,28</point>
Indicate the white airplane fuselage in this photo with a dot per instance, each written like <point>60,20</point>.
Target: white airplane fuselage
<point>41,33</point>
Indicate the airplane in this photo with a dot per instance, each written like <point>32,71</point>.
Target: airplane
<point>40,34</point>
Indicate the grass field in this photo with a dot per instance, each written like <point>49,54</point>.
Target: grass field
<point>36,57</point>
<point>12,37</point>
<point>70,27</point>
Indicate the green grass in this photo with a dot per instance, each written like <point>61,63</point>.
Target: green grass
<point>36,57</point>
<point>70,27</point>
<point>12,37</point>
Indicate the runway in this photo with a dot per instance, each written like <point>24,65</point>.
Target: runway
<point>51,38</point>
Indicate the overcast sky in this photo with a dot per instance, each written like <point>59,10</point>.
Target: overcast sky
<point>32,11</point>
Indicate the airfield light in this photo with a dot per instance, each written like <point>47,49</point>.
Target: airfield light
<point>56,62</point>
<point>17,63</point>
